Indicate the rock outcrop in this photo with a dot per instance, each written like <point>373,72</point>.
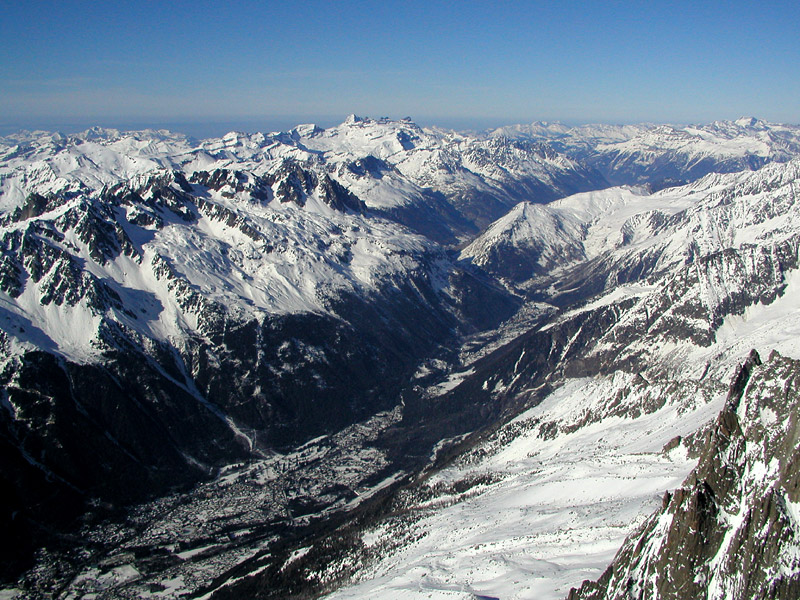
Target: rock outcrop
<point>733,529</point>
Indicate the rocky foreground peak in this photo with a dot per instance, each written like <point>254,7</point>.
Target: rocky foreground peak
<point>733,529</point>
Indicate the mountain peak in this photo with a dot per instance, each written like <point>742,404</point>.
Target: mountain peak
<point>98,133</point>
<point>305,130</point>
<point>748,122</point>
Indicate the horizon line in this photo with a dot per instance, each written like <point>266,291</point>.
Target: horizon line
<point>285,123</point>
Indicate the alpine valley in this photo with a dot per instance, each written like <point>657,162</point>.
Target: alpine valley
<point>385,361</point>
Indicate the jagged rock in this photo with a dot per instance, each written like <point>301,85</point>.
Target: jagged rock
<point>216,212</point>
<point>369,166</point>
<point>732,529</point>
<point>338,197</point>
<point>34,206</point>
<point>229,183</point>
<point>293,183</point>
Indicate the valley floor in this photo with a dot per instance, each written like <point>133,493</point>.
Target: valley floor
<point>556,514</point>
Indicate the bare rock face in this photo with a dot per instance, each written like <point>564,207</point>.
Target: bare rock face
<point>733,529</point>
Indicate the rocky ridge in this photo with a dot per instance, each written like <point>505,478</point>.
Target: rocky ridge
<point>731,530</point>
<point>440,183</point>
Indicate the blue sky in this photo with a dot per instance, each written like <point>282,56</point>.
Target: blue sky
<point>461,64</point>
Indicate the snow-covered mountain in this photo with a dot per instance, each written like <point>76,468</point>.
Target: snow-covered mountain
<point>664,295</point>
<point>664,155</point>
<point>618,235</point>
<point>283,318</point>
<point>160,321</point>
<point>440,183</point>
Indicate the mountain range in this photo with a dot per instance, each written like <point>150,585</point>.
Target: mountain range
<point>380,360</point>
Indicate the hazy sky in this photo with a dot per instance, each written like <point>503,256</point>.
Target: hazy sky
<point>148,63</point>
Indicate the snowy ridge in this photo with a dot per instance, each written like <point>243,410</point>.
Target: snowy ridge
<point>541,236</point>
<point>621,224</point>
<point>667,154</point>
<point>226,236</point>
<point>581,138</point>
<point>251,256</point>
<point>406,160</point>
